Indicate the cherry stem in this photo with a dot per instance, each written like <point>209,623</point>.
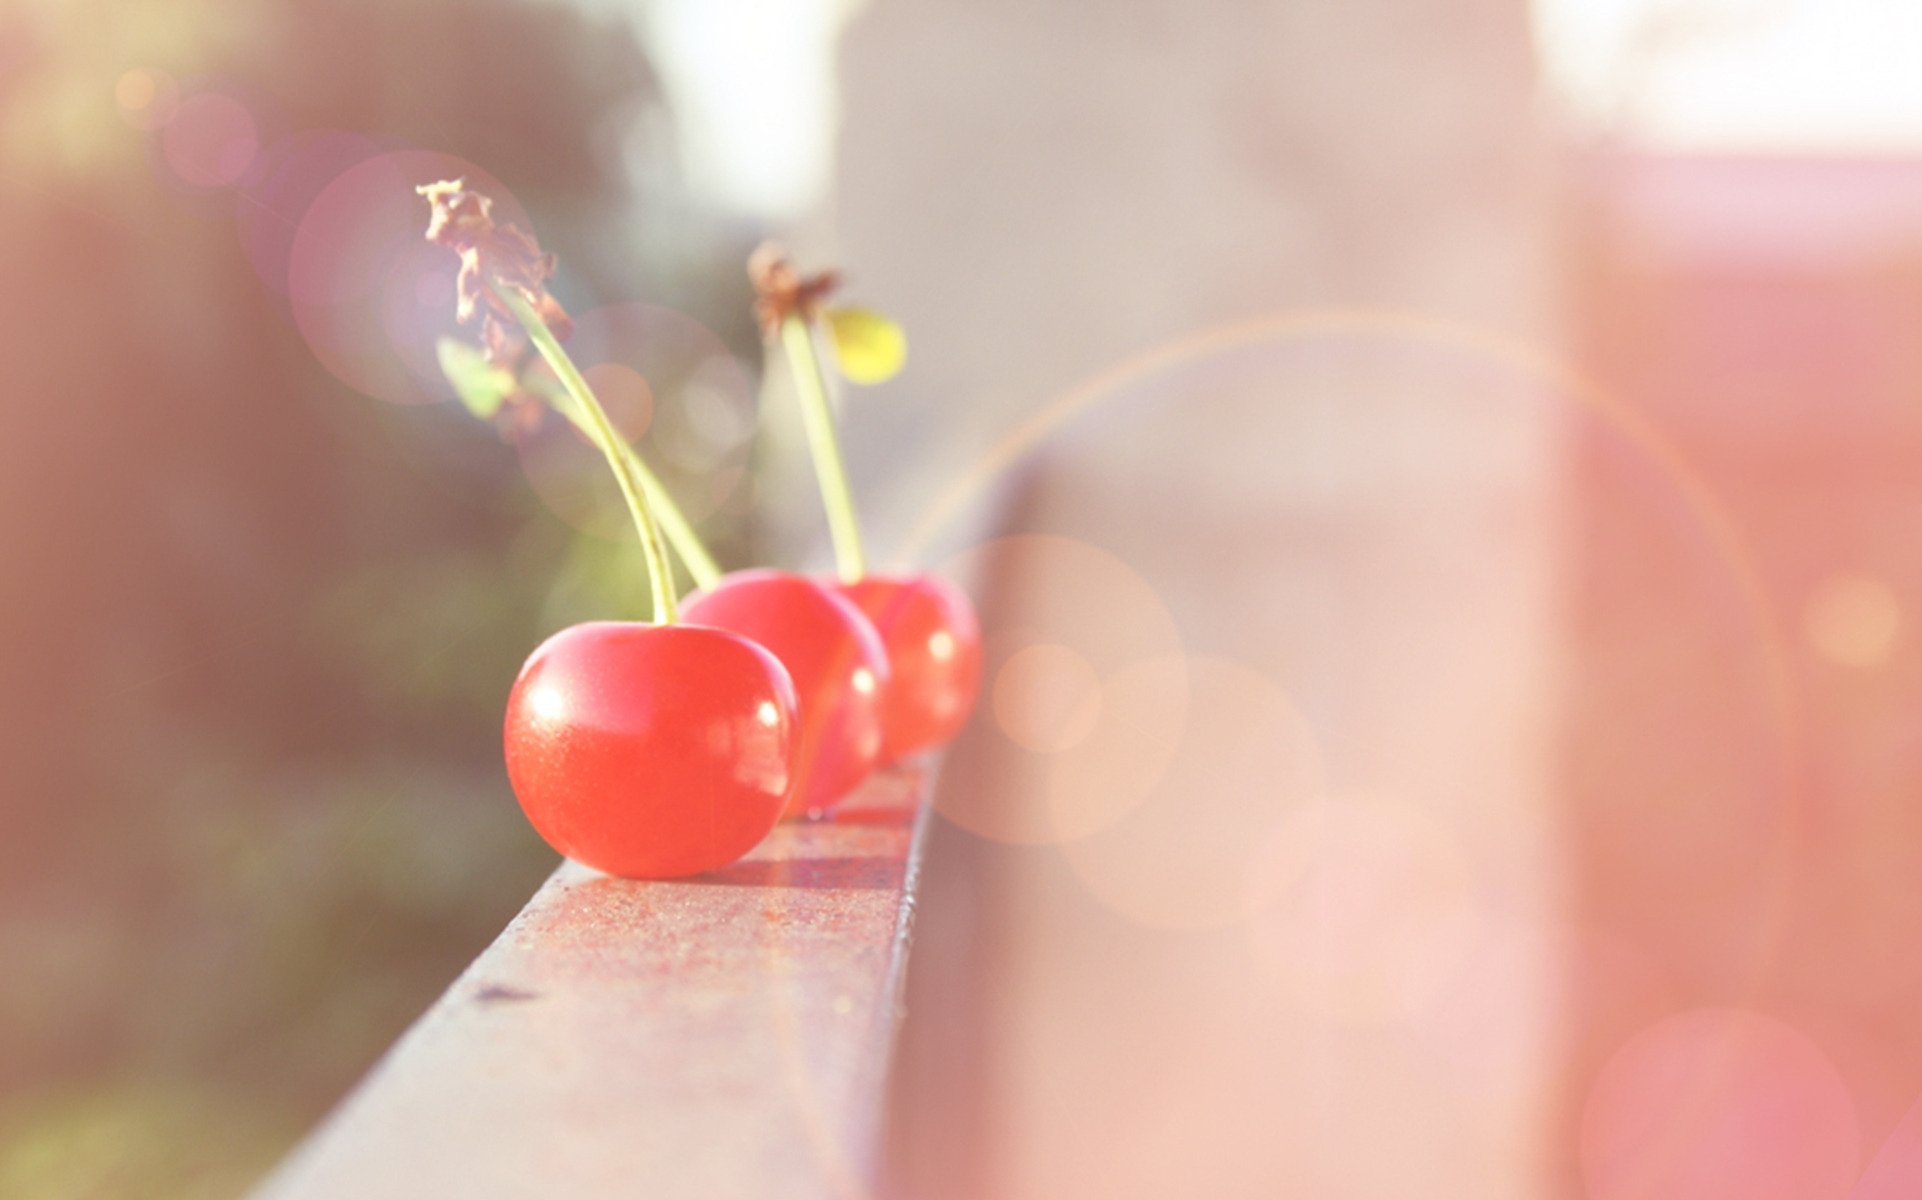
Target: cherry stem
<point>687,544</point>
<point>817,414</point>
<point>627,467</point>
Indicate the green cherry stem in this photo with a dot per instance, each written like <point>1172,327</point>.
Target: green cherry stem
<point>816,413</point>
<point>694,555</point>
<point>627,467</point>
<point>687,544</point>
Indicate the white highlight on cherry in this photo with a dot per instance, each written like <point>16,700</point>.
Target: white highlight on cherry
<point>548,704</point>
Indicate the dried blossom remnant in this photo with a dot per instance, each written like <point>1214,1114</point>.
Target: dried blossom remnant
<point>520,417</point>
<point>492,256</point>
<point>781,292</point>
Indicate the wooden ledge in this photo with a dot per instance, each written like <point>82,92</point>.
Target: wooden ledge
<point>724,1036</point>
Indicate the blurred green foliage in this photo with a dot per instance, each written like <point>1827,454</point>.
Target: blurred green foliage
<point>157,1138</point>
<point>261,627</point>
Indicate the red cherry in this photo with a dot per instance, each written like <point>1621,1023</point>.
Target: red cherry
<point>651,751</point>
<point>934,647</point>
<point>836,660</point>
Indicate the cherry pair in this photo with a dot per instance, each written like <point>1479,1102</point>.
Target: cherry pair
<point>667,749</point>
<point>654,751</point>
<point>882,668</point>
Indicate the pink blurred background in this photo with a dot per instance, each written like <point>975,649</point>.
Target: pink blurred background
<point>1451,717</point>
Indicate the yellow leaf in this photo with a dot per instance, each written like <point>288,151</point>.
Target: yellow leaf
<point>869,346</point>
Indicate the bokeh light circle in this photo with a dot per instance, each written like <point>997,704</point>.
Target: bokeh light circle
<point>146,96</point>
<point>357,265</point>
<point>1494,1026</point>
<point>1362,911</point>
<point>1246,755</point>
<point>1853,620</point>
<point>270,206</point>
<point>210,140</point>
<point>1086,606</point>
<point>569,474</point>
<point>625,396</point>
<point>673,388</point>
<point>1719,1102</point>
<point>1046,698</point>
<point>1758,760</point>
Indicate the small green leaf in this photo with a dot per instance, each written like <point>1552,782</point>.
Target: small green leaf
<point>869,346</point>
<point>481,386</point>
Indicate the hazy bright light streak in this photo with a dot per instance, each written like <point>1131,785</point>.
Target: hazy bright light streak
<point>1476,344</point>
<point>752,90</point>
<point>1755,75</point>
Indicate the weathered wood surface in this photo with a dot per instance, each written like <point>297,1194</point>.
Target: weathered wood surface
<point>725,1036</point>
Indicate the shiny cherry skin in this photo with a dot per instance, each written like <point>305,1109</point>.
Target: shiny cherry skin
<point>836,660</point>
<point>933,642</point>
<point>651,751</point>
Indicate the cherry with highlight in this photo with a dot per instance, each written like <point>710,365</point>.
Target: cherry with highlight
<point>933,642</point>
<point>651,751</point>
<point>837,661</point>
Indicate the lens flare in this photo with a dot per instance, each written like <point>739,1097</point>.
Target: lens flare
<point>625,395</point>
<point>1246,757</point>
<point>1895,1173</point>
<point>1780,811</point>
<point>147,98</point>
<point>210,140</point>
<point>569,474</point>
<point>1047,698</point>
<point>1362,911</point>
<point>1719,1102</point>
<point>292,174</point>
<point>1493,1024</point>
<point>1033,774</point>
<point>717,401</point>
<point>1853,621</point>
<point>654,369</point>
<point>357,264</point>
